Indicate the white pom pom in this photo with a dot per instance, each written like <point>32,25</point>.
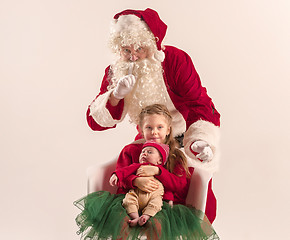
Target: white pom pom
<point>159,56</point>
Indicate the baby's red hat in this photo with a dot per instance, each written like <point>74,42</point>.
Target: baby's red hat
<point>162,148</point>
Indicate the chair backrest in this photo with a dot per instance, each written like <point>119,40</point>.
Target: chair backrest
<point>99,175</point>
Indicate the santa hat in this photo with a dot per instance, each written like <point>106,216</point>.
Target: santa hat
<point>162,148</point>
<point>142,20</point>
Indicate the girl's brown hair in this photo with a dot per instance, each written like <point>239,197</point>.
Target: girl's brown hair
<point>175,155</point>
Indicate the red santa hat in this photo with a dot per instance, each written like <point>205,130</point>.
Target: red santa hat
<point>162,148</point>
<point>151,17</point>
<point>152,22</point>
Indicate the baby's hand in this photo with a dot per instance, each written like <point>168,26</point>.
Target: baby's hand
<point>113,180</point>
<point>170,203</point>
<point>147,171</point>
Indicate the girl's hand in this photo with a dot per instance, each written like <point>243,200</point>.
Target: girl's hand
<point>113,180</point>
<point>147,171</point>
<point>146,184</point>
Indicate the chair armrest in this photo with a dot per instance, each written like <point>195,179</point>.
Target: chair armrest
<point>197,192</point>
<point>99,175</point>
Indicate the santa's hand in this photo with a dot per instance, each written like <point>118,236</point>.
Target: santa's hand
<point>113,180</point>
<point>203,149</point>
<point>124,86</point>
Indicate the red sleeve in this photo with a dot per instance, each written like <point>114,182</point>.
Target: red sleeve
<point>190,96</point>
<point>168,196</point>
<point>125,172</point>
<point>115,111</point>
<point>128,182</point>
<point>173,181</point>
<point>176,182</point>
<point>129,154</point>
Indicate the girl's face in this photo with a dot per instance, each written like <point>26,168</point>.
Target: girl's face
<point>155,127</point>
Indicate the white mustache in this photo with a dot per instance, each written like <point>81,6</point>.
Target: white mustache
<point>131,67</point>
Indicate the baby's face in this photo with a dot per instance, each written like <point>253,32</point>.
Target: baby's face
<point>150,155</point>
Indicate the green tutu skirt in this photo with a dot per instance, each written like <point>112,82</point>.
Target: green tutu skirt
<point>103,217</point>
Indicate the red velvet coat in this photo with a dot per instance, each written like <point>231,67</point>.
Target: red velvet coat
<point>184,88</point>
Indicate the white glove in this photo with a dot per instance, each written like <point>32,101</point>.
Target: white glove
<point>203,149</point>
<point>124,86</point>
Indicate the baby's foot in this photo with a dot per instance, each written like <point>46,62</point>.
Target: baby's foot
<point>143,219</point>
<point>133,222</point>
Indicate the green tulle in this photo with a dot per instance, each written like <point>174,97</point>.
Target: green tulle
<point>103,217</point>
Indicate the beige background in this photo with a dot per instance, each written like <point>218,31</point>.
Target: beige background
<point>52,59</point>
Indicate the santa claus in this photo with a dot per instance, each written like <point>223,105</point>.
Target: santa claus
<point>146,72</point>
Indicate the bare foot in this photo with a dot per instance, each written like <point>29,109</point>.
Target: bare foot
<point>134,219</point>
<point>143,219</point>
<point>133,222</point>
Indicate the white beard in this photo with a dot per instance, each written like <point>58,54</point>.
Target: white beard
<point>149,87</point>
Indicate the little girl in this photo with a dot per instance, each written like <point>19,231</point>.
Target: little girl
<point>103,215</point>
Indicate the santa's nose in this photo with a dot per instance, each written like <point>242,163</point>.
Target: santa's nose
<point>133,58</point>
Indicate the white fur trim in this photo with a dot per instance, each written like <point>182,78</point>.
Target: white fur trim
<point>208,132</point>
<point>101,114</point>
<point>128,22</point>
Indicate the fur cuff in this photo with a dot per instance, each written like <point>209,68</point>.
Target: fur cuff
<point>101,114</point>
<point>208,132</point>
